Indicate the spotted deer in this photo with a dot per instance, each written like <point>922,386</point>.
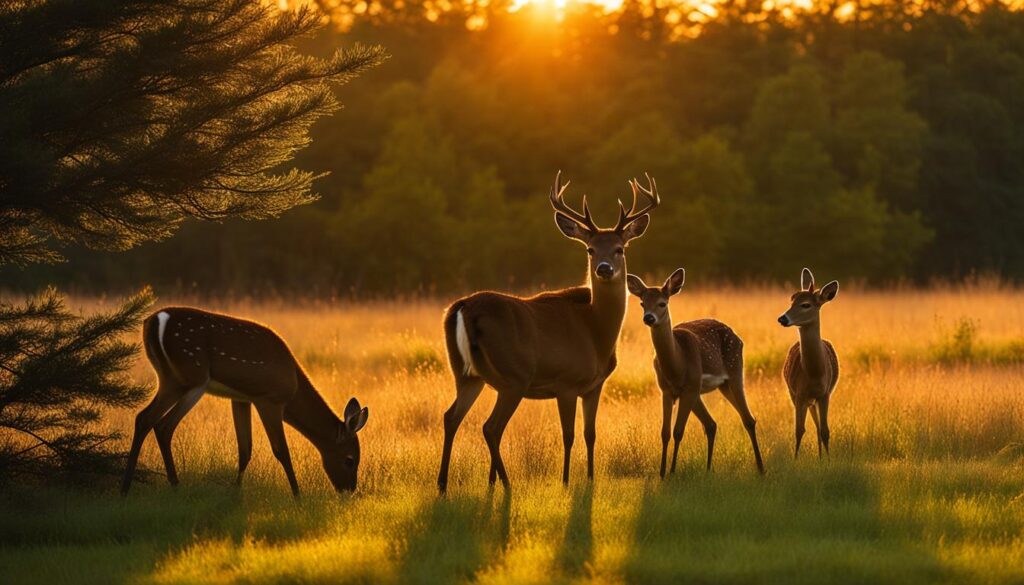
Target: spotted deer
<point>556,345</point>
<point>196,352</point>
<point>812,367</point>
<point>690,359</point>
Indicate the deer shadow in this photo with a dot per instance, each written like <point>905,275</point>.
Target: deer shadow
<point>806,526</point>
<point>456,536</point>
<point>577,548</point>
<point>150,522</point>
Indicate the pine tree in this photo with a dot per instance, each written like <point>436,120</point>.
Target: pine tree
<point>121,119</point>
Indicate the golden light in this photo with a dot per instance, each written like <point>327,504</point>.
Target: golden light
<point>556,8</point>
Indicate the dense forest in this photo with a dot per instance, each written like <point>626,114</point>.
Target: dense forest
<point>877,140</point>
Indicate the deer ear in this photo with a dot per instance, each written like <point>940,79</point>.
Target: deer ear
<point>674,283</point>
<point>636,228</point>
<point>829,291</point>
<point>571,229</point>
<point>357,422</point>
<point>351,409</point>
<point>806,280</point>
<point>635,284</point>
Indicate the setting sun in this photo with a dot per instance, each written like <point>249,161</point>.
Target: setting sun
<point>557,7</point>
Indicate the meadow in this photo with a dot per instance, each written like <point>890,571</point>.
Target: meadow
<point>924,482</point>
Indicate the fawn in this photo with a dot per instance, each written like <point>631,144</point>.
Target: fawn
<point>692,358</point>
<point>812,367</point>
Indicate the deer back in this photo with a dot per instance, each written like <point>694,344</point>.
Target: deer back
<point>234,355</point>
<point>537,343</point>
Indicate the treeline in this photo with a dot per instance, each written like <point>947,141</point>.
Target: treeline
<point>882,142</point>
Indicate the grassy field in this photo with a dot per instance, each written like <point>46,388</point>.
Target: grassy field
<point>924,484</point>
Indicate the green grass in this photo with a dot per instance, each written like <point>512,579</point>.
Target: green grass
<point>812,521</point>
<point>925,483</point>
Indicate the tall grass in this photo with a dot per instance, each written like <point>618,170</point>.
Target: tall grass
<point>923,484</point>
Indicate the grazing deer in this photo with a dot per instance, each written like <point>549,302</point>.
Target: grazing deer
<point>558,344</point>
<point>690,359</point>
<point>812,367</point>
<point>196,352</point>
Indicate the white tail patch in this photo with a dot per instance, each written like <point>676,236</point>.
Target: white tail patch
<point>712,381</point>
<point>462,342</point>
<point>163,317</point>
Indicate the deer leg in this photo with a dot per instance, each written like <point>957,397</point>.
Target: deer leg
<point>590,403</point>
<point>165,398</point>
<point>667,402</point>
<point>685,406</point>
<point>494,428</point>
<point>272,416</point>
<point>801,425</point>
<point>710,428</point>
<point>466,392</point>
<point>813,409</point>
<point>165,427</point>
<point>823,430</point>
<point>567,415</point>
<point>241,412</point>
<point>738,398</point>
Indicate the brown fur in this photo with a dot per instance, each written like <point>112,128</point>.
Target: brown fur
<point>684,355</point>
<point>800,385</point>
<point>204,352</point>
<point>811,370</point>
<point>558,344</point>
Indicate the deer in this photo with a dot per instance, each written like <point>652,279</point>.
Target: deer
<point>196,352</point>
<point>691,359</point>
<point>811,370</point>
<point>555,345</point>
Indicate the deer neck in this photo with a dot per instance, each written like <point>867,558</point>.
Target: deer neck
<point>670,355</point>
<point>812,350</point>
<point>608,309</point>
<point>309,413</point>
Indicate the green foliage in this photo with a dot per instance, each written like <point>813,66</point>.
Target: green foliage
<point>57,371</point>
<point>121,119</point>
<point>881,147</point>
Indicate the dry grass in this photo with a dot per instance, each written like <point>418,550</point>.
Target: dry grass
<point>923,483</point>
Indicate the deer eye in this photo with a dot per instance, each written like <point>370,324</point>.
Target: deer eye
<point>618,251</point>
<point>350,461</point>
<point>590,251</point>
<point>806,305</point>
<point>662,304</point>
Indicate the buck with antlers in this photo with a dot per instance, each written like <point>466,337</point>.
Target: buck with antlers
<point>195,352</point>
<point>812,366</point>
<point>558,344</point>
<point>692,358</point>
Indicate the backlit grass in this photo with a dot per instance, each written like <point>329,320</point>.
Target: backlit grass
<point>923,485</point>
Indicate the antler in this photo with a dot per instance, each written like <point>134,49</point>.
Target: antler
<point>557,202</point>
<point>650,193</point>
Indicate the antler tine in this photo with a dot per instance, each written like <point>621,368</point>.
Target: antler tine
<point>650,193</point>
<point>560,206</point>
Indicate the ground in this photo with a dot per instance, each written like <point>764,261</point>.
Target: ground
<point>924,483</point>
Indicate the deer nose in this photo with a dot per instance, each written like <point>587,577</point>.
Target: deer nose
<point>604,270</point>
<point>649,319</point>
<point>784,321</point>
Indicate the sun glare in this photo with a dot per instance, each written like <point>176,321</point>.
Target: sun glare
<point>557,7</point>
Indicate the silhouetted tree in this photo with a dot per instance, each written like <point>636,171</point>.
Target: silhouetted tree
<point>121,119</point>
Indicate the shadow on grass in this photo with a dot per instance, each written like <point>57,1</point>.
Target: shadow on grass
<point>810,525</point>
<point>60,535</point>
<point>577,549</point>
<point>456,536</point>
